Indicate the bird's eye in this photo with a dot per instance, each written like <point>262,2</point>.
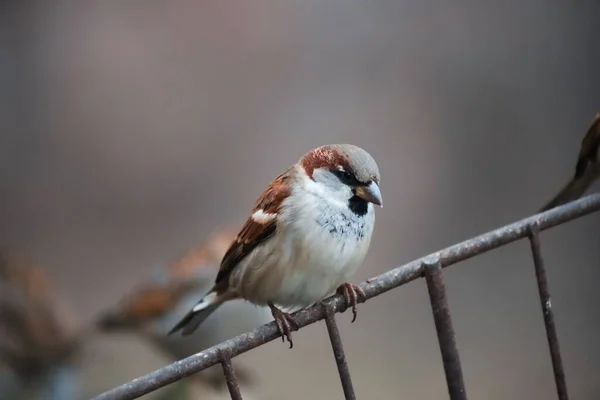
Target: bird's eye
<point>345,176</point>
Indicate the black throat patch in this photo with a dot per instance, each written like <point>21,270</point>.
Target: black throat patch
<point>358,205</point>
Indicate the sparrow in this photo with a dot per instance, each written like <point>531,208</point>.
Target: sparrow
<point>587,169</point>
<point>308,233</point>
<point>37,344</point>
<point>152,308</point>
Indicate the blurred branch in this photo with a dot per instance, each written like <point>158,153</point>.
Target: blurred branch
<point>372,287</point>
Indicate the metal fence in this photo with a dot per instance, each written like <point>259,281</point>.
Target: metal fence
<point>429,267</point>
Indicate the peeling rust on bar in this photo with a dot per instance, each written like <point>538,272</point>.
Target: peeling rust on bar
<point>338,353</point>
<point>229,372</point>
<point>546,303</point>
<point>377,286</point>
<point>443,325</point>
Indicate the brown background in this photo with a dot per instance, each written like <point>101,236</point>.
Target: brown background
<point>129,132</point>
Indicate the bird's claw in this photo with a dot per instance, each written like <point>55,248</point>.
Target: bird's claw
<point>353,295</point>
<point>285,324</point>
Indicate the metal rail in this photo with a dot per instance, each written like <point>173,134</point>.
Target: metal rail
<point>431,268</point>
<point>443,326</point>
<point>540,273</point>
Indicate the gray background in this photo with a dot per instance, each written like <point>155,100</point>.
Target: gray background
<point>131,131</point>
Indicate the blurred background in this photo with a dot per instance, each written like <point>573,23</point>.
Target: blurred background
<point>132,131</point>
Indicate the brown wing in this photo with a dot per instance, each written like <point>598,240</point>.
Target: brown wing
<point>589,148</point>
<point>145,304</point>
<point>255,231</point>
<point>151,302</point>
<point>206,255</point>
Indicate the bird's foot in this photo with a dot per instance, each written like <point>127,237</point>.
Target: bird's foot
<point>285,323</point>
<point>353,295</point>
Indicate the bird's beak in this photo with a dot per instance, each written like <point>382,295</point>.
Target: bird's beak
<point>370,193</point>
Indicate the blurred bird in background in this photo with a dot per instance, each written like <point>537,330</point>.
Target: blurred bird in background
<point>587,169</point>
<point>152,308</point>
<point>37,339</point>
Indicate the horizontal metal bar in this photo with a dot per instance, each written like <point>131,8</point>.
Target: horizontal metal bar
<point>374,287</point>
<point>340,357</point>
<point>444,329</point>
<point>544,291</point>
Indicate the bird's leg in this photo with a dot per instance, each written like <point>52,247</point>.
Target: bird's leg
<point>353,295</point>
<point>285,323</point>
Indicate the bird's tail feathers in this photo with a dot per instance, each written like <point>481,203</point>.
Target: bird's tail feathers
<point>573,190</point>
<point>206,306</point>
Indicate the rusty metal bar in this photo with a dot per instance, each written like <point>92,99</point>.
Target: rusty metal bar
<point>338,353</point>
<point>229,372</point>
<point>443,326</point>
<point>546,302</point>
<point>373,287</point>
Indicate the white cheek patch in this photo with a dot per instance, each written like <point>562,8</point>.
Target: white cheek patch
<point>262,217</point>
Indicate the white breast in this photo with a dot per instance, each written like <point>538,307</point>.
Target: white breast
<point>317,247</point>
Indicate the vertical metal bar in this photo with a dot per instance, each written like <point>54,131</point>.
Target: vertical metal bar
<point>443,326</point>
<point>542,282</point>
<point>338,353</point>
<point>229,372</point>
